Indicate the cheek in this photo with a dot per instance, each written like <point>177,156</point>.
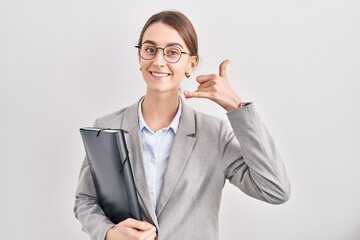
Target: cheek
<point>144,65</point>
<point>178,72</point>
<point>179,68</point>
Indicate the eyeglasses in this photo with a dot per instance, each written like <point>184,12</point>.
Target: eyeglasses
<point>172,54</point>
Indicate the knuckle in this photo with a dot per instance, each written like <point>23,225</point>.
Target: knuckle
<point>125,222</point>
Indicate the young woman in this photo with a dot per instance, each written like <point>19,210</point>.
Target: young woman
<point>181,157</point>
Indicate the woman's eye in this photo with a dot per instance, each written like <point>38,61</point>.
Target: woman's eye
<point>150,50</point>
<point>172,52</point>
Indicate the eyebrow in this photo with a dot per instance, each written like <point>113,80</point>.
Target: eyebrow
<point>169,44</point>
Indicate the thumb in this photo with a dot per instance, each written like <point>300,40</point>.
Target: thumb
<point>222,68</point>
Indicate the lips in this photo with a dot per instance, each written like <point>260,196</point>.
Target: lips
<point>160,74</point>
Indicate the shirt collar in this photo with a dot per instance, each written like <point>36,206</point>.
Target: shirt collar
<point>173,125</point>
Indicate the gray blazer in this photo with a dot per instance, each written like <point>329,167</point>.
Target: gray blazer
<point>206,152</point>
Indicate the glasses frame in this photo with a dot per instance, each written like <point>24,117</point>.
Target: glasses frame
<point>163,51</point>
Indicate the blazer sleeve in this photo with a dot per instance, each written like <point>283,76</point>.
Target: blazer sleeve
<point>87,209</point>
<point>250,159</point>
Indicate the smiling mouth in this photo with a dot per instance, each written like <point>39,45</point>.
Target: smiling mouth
<point>161,75</point>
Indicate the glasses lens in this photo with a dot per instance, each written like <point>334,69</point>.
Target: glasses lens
<point>148,51</point>
<point>172,54</point>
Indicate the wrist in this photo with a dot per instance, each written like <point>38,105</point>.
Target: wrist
<point>243,104</point>
<point>238,105</point>
<point>233,104</point>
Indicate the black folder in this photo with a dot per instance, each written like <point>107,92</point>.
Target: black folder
<point>111,171</point>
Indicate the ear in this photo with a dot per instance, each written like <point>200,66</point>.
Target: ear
<point>192,64</point>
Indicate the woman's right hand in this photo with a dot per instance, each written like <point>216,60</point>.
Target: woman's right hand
<point>131,229</point>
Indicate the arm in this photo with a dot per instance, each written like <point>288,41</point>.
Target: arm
<point>87,209</point>
<point>93,219</point>
<point>249,158</point>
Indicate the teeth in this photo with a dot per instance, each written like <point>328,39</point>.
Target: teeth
<point>160,74</point>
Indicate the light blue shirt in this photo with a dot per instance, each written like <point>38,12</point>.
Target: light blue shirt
<point>156,148</point>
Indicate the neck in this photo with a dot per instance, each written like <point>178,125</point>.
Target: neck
<point>159,109</point>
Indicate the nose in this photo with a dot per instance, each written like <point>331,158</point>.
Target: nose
<point>159,60</point>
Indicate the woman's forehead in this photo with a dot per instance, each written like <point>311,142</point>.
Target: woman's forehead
<point>162,34</point>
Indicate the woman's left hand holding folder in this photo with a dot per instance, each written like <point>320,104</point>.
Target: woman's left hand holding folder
<point>131,229</point>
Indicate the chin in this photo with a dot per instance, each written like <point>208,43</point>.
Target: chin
<point>163,89</point>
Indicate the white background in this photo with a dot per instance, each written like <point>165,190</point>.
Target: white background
<point>65,63</point>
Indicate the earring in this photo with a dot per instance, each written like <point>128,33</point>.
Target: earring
<point>187,75</point>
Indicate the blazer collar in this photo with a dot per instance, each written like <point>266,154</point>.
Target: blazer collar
<point>187,120</point>
<point>186,124</point>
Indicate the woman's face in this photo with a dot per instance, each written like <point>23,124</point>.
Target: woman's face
<point>160,75</point>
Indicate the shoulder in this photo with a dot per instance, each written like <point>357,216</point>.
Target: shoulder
<point>114,119</point>
<point>206,123</point>
<point>207,119</point>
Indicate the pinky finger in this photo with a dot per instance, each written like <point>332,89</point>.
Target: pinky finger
<point>195,94</point>
<point>188,94</point>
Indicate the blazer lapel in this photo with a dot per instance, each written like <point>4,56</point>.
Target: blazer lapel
<point>180,152</point>
<point>131,128</point>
